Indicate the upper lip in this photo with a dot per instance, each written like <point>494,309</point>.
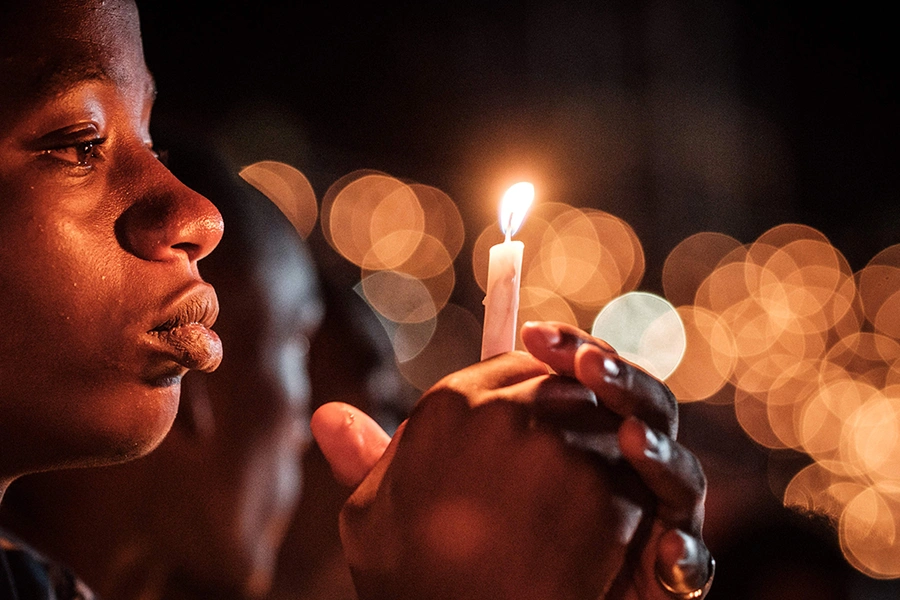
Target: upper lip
<point>197,305</point>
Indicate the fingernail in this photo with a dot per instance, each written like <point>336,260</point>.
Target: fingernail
<point>654,447</point>
<point>686,576</point>
<point>549,333</point>
<point>611,367</point>
<point>651,444</point>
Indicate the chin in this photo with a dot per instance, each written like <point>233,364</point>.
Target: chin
<point>132,425</point>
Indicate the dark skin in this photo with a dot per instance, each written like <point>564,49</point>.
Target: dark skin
<point>633,500</point>
<point>99,245</point>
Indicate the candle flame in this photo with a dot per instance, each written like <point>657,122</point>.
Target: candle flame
<point>516,202</point>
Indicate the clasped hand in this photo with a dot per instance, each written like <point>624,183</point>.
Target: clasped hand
<point>552,474</point>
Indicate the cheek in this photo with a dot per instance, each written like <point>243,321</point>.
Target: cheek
<point>67,306</point>
<point>58,264</point>
<point>69,333</point>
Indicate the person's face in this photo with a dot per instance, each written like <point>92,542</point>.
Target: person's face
<point>104,308</point>
<point>233,463</point>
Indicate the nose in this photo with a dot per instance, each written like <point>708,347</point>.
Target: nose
<point>170,221</point>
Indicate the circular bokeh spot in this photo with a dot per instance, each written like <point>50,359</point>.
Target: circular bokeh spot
<point>645,329</point>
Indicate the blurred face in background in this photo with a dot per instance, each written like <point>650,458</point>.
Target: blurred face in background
<point>238,442</point>
<point>230,472</point>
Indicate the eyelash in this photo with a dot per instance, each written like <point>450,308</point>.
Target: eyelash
<point>86,152</point>
<point>79,155</point>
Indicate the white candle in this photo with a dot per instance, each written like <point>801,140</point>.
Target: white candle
<point>501,302</point>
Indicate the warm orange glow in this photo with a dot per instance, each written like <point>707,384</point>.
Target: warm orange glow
<point>513,207</point>
<point>585,257</point>
<point>816,367</point>
<point>887,319</point>
<point>404,237</point>
<point>376,221</point>
<point>709,356</point>
<point>869,532</point>
<point>288,189</point>
<point>331,194</point>
<point>540,304</point>
<point>443,221</point>
<point>871,439</point>
<point>571,255</point>
<point>878,285</point>
<point>691,262</point>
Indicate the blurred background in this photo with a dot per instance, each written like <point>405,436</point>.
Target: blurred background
<point>738,159</point>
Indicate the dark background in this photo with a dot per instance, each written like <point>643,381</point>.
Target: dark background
<point>675,116</point>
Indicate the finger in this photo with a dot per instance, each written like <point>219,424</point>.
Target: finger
<point>672,473</point>
<point>555,343</point>
<point>560,401</point>
<point>500,415</point>
<point>351,440</point>
<point>623,387</point>
<point>627,389</point>
<point>551,394</point>
<point>683,564</point>
<point>567,404</point>
<point>497,372</point>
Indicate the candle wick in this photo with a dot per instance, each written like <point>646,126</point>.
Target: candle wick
<point>508,227</point>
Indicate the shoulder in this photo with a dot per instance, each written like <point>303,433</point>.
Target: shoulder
<point>25,574</point>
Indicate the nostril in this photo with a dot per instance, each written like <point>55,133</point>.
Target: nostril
<point>188,248</point>
<point>170,227</point>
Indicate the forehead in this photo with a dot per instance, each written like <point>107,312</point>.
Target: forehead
<point>47,46</point>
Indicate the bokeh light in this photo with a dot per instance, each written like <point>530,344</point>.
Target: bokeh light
<point>810,352</point>
<point>709,356</point>
<point>404,237</point>
<point>583,257</point>
<point>287,188</point>
<point>644,329</point>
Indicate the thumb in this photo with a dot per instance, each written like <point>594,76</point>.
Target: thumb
<point>351,440</point>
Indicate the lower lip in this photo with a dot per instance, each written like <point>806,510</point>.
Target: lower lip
<point>193,346</point>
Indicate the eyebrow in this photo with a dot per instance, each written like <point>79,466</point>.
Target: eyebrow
<point>55,79</point>
<point>63,78</point>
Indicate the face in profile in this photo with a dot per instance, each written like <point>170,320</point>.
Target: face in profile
<point>204,514</point>
<point>104,307</point>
